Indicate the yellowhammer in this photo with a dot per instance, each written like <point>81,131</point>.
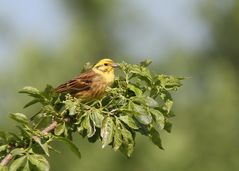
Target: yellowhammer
<point>91,84</point>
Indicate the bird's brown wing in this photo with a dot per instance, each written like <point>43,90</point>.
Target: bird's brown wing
<point>80,83</point>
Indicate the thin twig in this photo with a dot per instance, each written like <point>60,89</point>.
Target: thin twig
<point>45,131</point>
<point>6,159</point>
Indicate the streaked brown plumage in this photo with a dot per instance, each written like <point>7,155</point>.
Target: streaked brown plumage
<point>92,83</point>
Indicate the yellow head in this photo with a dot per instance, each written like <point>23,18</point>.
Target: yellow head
<point>105,67</point>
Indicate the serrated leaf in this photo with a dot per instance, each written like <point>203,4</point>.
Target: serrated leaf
<point>118,139</point>
<point>129,121</point>
<point>70,144</point>
<point>142,115</point>
<point>135,89</point>
<point>169,82</point>
<point>151,102</point>
<point>159,118</point>
<point>155,137</point>
<point>107,131</point>
<point>86,124</point>
<point>96,118</point>
<point>19,117</point>
<point>40,162</point>
<point>18,163</point>
<point>60,128</point>
<point>128,142</point>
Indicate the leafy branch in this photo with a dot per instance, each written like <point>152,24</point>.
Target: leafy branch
<point>139,102</point>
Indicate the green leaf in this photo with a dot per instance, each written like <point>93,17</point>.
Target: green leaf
<point>142,115</point>
<point>169,82</point>
<point>30,90</point>
<point>88,126</point>
<point>151,102</point>
<point>70,144</point>
<point>107,131</point>
<point>118,139</point>
<point>129,121</point>
<point>91,130</point>
<point>168,126</point>
<point>168,105</point>
<point>155,137</point>
<point>142,73</point>
<point>72,110</point>
<point>60,128</point>
<point>146,62</point>
<point>71,105</point>
<point>18,151</point>
<point>23,131</point>
<point>48,109</point>
<point>166,96</point>
<point>34,101</point>
<point>18,163</point>
<point>3,147</point>
<point>3,168</point>
<point>97,118</point>
<point>48,92</point>
<point>140,100</point>
<point>159,118</point>
<point>26,167</point>
<point>135,89</point>
<point>128,142</point>
<point>40,162</point>
<point>44,146</point>
<point>19,117</point>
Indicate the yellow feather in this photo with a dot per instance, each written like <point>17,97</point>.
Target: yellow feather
<point>91,85</point>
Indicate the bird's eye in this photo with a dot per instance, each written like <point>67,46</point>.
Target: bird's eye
<point>105,64</point>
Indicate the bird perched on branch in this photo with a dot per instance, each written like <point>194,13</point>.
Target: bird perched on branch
<point>91,84</point>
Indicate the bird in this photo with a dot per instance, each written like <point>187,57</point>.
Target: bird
<point>91,84</point>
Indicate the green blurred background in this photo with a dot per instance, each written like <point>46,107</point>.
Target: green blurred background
<point>47,42</point>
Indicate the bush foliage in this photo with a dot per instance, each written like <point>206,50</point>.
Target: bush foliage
<point>139,102</point>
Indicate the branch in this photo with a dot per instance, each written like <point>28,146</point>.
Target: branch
<point>45,131</point>
<point>6,159</point>
<point>139,102</point>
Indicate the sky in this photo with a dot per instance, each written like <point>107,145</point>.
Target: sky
<point>162,25</point>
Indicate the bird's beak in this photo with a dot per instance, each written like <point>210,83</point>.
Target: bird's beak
<point>115,65</point>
